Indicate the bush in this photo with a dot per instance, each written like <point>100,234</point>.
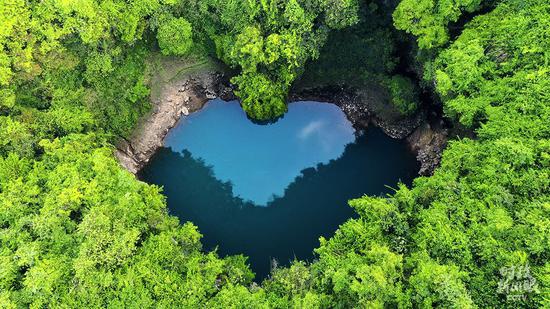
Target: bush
<point>175,37</point>
<point>403,93</point>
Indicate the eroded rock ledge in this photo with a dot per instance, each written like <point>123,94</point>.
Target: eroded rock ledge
<point>176,99</point>
<point>362,107</point>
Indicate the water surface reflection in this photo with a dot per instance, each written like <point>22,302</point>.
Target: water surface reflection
<point>216,179</point>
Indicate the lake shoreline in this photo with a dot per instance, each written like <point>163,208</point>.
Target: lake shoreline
<point>426,138</point>
<point>176,99</point>
<point>189,93</point>
<point>240,195</point>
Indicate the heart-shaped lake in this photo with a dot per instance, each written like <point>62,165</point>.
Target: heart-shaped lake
<point>270,190</point>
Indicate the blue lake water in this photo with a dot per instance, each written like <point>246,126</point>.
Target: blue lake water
<point>269,191</point>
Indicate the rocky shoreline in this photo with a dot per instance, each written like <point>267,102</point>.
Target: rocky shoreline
<point>175,100</point>
<point>189,94</point>
<point>425,138</point>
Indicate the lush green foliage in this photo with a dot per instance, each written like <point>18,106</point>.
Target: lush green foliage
<point>367,56</point>
<point>487,206</point>
<point>175,37</point>
<point>268,41</point>
<point>75,229</point>
<point>428,20</point>
<point>403,93</point>
<point>497,56</point>
<point>78,231</point>
<point>63,58</point>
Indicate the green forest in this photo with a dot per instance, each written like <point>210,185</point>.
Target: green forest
<point>77,230</point>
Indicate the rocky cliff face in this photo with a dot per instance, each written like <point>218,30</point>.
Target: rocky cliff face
<point>428,142</point>
<point>176,99</point>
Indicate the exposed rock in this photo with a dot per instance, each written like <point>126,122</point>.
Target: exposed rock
<point>366,106</point>
<point>176,99</point>
<point>357,113</point>
<point>428,142</point>
<point>399,129</point>
<point>363,107</point>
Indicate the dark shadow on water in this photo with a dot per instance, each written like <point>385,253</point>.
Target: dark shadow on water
<point>313,205</point>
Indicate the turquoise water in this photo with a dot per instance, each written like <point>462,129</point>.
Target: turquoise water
<point>269,191</point>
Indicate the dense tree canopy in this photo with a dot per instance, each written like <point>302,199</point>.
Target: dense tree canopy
<point>76,230</point>
<point>428,20</point>
<point>268,41</point>
<point>486,207</point>
<point>79,231</point>
<point>175,37</point>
